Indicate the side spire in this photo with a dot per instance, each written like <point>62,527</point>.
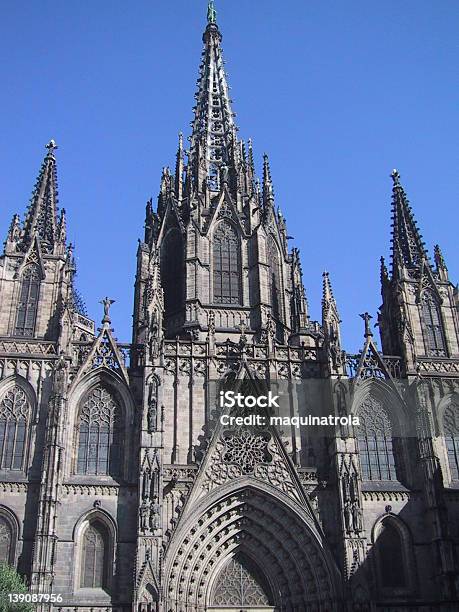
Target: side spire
<point>268,193</point>
<point>41,216</point>
<point>331,325</point>
<point>408,248</point>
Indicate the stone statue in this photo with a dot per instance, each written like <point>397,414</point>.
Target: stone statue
<point>154,336</point>
<point>106,302</point>
<point>154,513</point>
<point>152,415</point>
<point>144,516</point>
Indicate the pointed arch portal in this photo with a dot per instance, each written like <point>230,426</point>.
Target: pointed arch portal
<point>248,551</point>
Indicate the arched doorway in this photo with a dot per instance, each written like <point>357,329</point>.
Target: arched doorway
<point>248,549</point>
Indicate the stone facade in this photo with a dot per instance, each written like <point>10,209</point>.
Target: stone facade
<point>120,488</point>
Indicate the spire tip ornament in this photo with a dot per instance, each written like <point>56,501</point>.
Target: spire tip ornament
<point>51,146</point>
<point>367,318</point>
<point>211,12</point>
<point>106,302</point>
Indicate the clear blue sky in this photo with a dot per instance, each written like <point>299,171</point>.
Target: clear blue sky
<point>338,94</point>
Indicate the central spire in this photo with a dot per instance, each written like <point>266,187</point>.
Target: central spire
<point>213,140</point>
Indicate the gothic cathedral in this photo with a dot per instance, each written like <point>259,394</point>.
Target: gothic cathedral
<point>121,489</point>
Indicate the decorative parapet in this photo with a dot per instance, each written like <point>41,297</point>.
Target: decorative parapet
<point>27,348</point>
<point>372,367</point>
<point>438,367</point>
<point>179,473</point>
<point>85,323</point>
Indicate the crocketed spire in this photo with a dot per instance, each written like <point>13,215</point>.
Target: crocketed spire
<point>41,216</point>
<point>213,143</point>
<point>408,249</point>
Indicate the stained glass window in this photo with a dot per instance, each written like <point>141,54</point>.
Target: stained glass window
<point>172,271</point>
<point>6,536</point>
<point>99,434</point>
<point>390,551</point>
<point>226,265</point>
<point>374,440</point>
<point>433,325</point>
<point>451,431</point>
<point>28,302</point>
<point>14,421</point>
<point>240,584</point>
<point>94,556</point>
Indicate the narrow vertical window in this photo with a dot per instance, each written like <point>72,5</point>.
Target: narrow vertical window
<point>433,326</point>
<point>390,551</point>
<point>451,431</point>
<point>14,422</point>
<point>6,540</point>
<point>274,279</point>
<point>226,265</point>
<point>374,441</point>
<point>99,435</point>
<point>28,302</point>
<point>94,556</point>
<point>172,271</point>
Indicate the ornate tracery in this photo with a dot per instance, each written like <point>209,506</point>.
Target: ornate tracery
<point>435,339</point>
<point>6,540</point>
<point>28,302</point>
<point>374,440</point>
<point>94,556</point>
<point>14,422</point>
<point>239,584</point>
<point>226,265</point>
<point>99,445</point>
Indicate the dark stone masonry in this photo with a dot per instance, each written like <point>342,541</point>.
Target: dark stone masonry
<point>122,490</point>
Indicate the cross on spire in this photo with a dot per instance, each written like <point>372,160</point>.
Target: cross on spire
<point>51,146</point>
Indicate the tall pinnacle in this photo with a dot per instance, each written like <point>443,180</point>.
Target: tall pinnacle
<point>41,216</point>
<point>213,139</point>
<point>408,248</point>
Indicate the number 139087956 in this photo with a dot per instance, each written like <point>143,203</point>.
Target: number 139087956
<point>34,598</point>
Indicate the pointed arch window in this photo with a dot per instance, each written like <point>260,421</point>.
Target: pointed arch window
<point>374,441</point>
<point>435,339</point>
<point>390,550</point>
<point>28,302</point>
<point>451,432</point>
<point>99,435</point>
<point>240,584</point>
<point>274,279</point>
<point>172,271</point>
<point>6,540</point>
<point>226,265</point>
<point>14,424</point>
<point>94,556</point>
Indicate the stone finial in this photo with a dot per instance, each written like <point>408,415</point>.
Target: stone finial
<point>395,175</point>
<point>106,302</point>
<point>211,12</point>
<point>367,318</point>
<point>51,146</point>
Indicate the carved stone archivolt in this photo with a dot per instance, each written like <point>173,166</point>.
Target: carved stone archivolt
<point>260,527</point>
